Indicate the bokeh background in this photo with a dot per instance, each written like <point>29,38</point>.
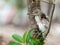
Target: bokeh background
<point>14,19</point>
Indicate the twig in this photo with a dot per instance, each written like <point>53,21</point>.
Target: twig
<point>47,2</point>
<point>51,19</point>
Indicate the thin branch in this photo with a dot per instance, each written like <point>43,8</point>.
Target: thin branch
<point>51,19</point>
<point>47,2</point>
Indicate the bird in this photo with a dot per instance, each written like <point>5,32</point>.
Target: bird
<point>41,20</point>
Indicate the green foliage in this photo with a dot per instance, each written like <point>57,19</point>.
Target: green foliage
<point>27,36</point>
<point>17,38</point>
<point>27,39</point>
<point>41,41</point>
<point>14,43</point>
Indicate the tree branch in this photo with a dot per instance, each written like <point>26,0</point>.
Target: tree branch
<point>53,8</point>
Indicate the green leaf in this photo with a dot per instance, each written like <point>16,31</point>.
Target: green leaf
<point>14,43</point>
<point>27,36</point>
<point>36,41</point>
<point>31,42</point>
<point>41,41</point>
<point>24,36</point>
<point>17,38</point>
